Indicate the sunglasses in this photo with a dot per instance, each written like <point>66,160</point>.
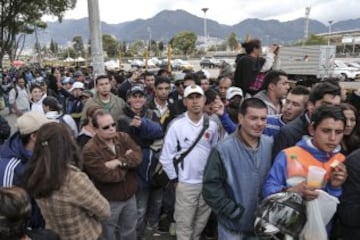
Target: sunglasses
<point>108,126</point>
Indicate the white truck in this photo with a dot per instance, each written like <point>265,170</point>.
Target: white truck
<point>307,62</point>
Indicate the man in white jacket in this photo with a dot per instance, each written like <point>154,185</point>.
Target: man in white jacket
<point>191,211</point>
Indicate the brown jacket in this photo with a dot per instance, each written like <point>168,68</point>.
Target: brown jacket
<point>115,184</point>
<point>75,209</point>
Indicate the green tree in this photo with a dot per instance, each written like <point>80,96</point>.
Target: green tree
<point>54,48</point>
<point>232,41</point>
<point>110,45</point>
<point>78,45</point>
<point>184,42</point>
<point>315,40</point>
<point>20,16</point>
<point>137,48</point>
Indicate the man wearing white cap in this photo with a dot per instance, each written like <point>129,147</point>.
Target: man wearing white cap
<point>73,104</point>
<point>191,211</point>
<point>16,152</point>
<point>234,97</point>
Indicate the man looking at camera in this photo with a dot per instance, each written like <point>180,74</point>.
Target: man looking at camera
<point>110,160</point>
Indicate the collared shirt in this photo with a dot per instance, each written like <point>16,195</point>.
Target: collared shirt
<point>162,109</point>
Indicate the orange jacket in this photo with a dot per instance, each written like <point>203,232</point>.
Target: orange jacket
<point>299,160</point>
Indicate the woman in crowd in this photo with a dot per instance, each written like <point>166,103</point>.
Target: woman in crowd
<point>37,97</point>
<point>15,212</point>
<point>69,202</point>
<point>351,140</point>
<point>87,129</point>
<point>53,110</point>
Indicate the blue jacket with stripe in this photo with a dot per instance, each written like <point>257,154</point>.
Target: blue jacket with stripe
<point>13,160</point>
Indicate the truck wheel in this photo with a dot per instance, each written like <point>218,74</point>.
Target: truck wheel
<point>343,77</point>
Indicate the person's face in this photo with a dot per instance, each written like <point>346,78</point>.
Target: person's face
<point>204,84</point>
<point>103,86</point>
<point>281,88</point>
<point>350,122</point>
<point>293,107</point>
<point>235,101</point>
<point>253,122</point>
<point>107,127</point>
<point>343,92</point>
<point>162,91</point>
<point>77,92</point>
<point>327,99</point>
<point>224,85</point>
<point>113,83</point>
<point>328,134</point>
<point>36,94</point>
<point>57,74</point>
<point>194,103</point>
<point>136,101</point>
<point>21,82</point>
<point>149,82</point>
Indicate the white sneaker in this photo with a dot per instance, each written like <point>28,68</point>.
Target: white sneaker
<point>172,229</point>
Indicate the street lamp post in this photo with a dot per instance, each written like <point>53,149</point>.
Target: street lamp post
<point>330,23</point>
<point>205,26</point>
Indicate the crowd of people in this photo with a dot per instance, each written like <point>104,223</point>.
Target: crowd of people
<point>83,160</point>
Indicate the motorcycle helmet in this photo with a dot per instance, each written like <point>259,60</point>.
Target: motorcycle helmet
<point>280,214</point>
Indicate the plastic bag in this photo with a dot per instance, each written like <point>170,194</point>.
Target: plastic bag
<point>319,213</point>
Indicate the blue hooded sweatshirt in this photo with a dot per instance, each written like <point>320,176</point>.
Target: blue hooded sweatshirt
<point>13,160</point>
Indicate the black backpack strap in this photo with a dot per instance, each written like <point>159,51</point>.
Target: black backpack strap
<point>184,154</point>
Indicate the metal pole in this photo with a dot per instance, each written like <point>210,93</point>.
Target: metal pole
<point>330,22</point>
<point>97,56</point>
<point>205,26</point>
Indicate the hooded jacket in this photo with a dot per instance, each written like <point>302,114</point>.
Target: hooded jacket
<point>14,158</point>
<point>276,179</point>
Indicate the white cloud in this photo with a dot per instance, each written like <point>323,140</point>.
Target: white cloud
<point>225,12</point>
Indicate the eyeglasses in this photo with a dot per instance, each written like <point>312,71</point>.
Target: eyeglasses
<point>108,126</point>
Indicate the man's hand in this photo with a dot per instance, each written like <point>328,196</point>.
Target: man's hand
<point>308,193</point>
<point>136,121</point>
<point>112,164</point>
<point>218,107</point>
<point>128,152</point>
<point>338,175</point>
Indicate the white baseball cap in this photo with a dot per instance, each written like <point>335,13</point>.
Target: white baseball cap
<point>232,92</point>
<point>77,85</point>
<point>193,89</point>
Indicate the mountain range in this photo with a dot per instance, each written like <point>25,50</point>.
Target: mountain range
<point>168,23</point>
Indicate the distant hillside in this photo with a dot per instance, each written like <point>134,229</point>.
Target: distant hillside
<point>167,23</point>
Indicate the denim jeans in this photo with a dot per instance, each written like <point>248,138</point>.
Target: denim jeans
<point>122,223</point>
<point>223,234</point>
<point>149,202</point>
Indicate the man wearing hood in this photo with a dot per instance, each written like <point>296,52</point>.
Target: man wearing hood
<point>16,152</point>
<point>322,149</point>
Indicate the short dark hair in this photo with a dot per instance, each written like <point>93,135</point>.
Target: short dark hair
<point>249,46</point>
<point>160,80</point>
<point>273,77</point>
<point>52,103</point>
<point>211,95</point>
<point>300,90</point>
<point>327,111</point>
<point>321,89</point>
<point>34,86</point>
<point>15,212</point>
<point>147,73</point>
<point>101,77</point>
<point>251,103</point>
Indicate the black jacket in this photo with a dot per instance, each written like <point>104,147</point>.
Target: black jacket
<point>290,134</point>
<point>349,208</point>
